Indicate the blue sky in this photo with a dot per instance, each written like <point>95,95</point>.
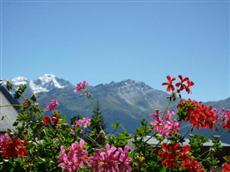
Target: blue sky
<point>103,41</point>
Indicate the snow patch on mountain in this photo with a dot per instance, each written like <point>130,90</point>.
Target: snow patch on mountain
<point>37,88</point>
<point>48,79</point>
<point>20,80</point>
<point>44,83</point>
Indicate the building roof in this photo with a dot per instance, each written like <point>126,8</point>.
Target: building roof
<point>8,113</point>
<point>9,97</point>
<point>154,141</point>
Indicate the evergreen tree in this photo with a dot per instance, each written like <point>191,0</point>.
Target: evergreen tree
<point>97,121</point>
<point>97,126</point>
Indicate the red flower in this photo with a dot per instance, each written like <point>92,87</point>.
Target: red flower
<point>169,83</point>
<point>169,154</point>
<point>186,149</point>
<point>173,155</point>
<point>189,85</point>
<point>184,83</point>
<point>225,167</point>
<point>197,114</point>
<point>13,147</point>
<point>26,104</point>
<point>46,120</point>
<point>181,85</point>
<point>55,119</point>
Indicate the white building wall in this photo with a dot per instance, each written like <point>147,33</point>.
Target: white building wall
<point>7,114</point>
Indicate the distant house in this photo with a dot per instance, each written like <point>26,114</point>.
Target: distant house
<point>8,113</point>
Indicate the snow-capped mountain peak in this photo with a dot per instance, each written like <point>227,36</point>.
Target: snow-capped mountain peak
<point>44,83</point>
<point>50,80</point>
<point>20,80</point>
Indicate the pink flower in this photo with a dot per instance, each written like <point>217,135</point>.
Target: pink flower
<point>74,157</point>
<point>224,115</point>
<point>3,138</point>
<point>52,105</point>
<point>111,160</point>
<point>84,122</point>
<point>165,127</point>
<point>81,86</point>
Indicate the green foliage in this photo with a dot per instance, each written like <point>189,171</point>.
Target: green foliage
<point>9,85</point>
<point>216,144</point>
<point>97,121</point>
<point>119,140</point>
<point>21,89</point>
<point>196,141</point>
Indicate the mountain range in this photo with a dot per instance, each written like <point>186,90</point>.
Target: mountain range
<point>126,102</point>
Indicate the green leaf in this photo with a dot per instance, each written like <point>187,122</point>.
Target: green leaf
<point>115,125</point>
<point>21,89</point>
<point>9,85</point>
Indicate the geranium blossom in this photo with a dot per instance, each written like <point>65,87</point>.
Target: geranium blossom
<point>169,83</point>
<point>84,122</point>
<point>52,105</point>
<point>26,104</point>
<point>81,86</point>
<point>111,160</point>
<point>12,147</point>
<point>184,83</point>
<point>198,114</point>
<point>54,120</point>
<point>46,120</point>
<point>165,127</point>
<point>173,155</point>
<point>225,167</point>
<point>74,157</point>
<point>188,86</point>
<point>226,119</point>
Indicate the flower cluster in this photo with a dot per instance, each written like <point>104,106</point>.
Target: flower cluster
<point>12,147</point>
<point>84,122</point>
<point>81,86</point>
<point>54,120</point>
<point>74,157</point>
<point>184,84</point>
<point>173,155</point>
<point>198,114</point>
<point>165,127</point>
<point>112,159</point>
<point>225,167</point>
<point>226,119</point>
<point>52,105</point>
